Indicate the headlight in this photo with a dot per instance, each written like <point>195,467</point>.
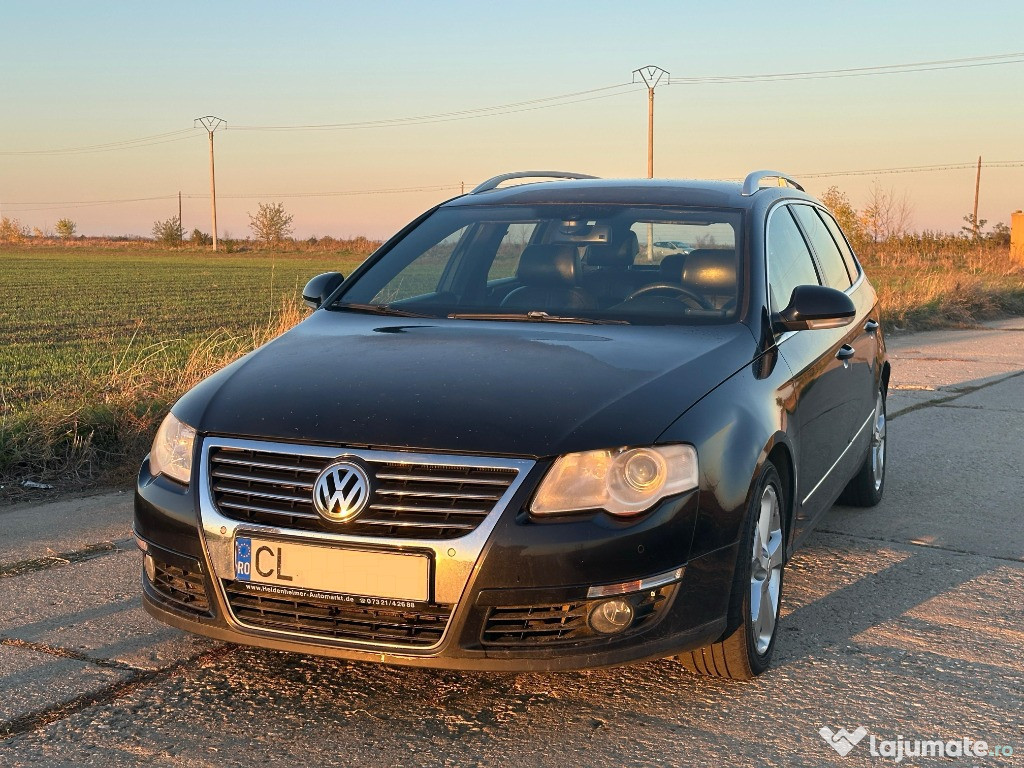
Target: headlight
<point>172,450</point>
<point>621,481</point>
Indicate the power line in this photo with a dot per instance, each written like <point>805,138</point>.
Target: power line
<point>887,69</point>
<point>144,141</point>
<point>913,169</point>
<point>52,205</point>
<point>547,102</point>
<point>447,117</point>
<point>346,193</point>
<point>57,205</point>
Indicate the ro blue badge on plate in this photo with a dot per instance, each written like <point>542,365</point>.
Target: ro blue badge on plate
<point>243,558</point>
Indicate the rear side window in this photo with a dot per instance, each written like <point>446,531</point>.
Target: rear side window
<point>515,240</point>
<point>844,247</point>
<point>789,260</point>
<point>825,248</point>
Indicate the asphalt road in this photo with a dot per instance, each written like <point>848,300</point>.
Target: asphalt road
<point>905,619</point>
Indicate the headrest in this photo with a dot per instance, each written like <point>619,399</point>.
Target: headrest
<point>549,264</point>
<point>710,270</point>
<point>672,267</point>
<point>616,254</point>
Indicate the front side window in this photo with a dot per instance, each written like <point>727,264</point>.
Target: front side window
<point>568,262</point>
<point>789,260</point>
<point>422,275</point>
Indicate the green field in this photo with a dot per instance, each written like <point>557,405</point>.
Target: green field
<point>67,317</point>
<point>93,341</point>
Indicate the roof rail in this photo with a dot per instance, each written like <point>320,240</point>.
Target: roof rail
<point>493,183</point>
<point>753,181</point>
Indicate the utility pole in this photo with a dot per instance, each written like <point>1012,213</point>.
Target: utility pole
<point>651,77</point>
<point>977,189</point>
<point>181,232</point>
<point>211,124</point>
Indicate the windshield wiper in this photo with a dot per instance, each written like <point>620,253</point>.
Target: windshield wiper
<point>378,309</point>
<point>534,316</point>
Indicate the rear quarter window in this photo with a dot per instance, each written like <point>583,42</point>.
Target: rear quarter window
<point>844,246</point>
<point>829,258</point>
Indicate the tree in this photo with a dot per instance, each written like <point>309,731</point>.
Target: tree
<point>11,230</point>
<point>168,231</point>
<point>837,202</point>
<point>887,215</point>
<point>65,228</point>
<point>271,224</point>
<point>973,227</point>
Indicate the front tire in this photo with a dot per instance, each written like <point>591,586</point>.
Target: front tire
<point>746,650</point>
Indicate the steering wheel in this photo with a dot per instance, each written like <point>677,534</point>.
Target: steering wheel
<point>671,288</point>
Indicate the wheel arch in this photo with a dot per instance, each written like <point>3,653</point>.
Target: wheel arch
<point>780,454</point>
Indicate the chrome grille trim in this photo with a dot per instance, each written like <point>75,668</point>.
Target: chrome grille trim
<point>454,556</point>
<point>411,499</point>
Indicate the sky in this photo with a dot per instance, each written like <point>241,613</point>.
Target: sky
<point>81,74</point>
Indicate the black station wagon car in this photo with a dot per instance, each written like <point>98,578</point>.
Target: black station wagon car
<point>561,424</point>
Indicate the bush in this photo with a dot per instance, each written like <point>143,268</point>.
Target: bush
<point>201,238</point>
<point>168,231</point>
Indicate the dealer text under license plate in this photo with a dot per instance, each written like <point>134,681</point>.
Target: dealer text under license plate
<point>393,575</point>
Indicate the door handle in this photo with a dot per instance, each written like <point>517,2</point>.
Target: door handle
<point>871,326</point>
<point>845,352</point>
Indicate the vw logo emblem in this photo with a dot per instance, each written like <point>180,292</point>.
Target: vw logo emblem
<point>341,492</point>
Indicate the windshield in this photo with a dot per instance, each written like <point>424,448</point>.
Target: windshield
<point>560,263</point>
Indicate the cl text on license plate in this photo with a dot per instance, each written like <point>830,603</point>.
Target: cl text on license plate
<point>397,575</point>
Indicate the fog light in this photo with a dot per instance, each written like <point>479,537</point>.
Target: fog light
<point>611,616</point>
<point>150,567</point>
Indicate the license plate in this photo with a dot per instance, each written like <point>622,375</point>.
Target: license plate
<point>391,575</point>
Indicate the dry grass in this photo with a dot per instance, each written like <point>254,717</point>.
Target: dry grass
<point>358,245</point>
<point>99,435</point>
<point>943,282</point>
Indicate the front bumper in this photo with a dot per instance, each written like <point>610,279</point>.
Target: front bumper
<point>514,596</point>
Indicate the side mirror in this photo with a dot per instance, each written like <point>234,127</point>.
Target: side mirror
<point>812,307</point>
<point>320,287</point>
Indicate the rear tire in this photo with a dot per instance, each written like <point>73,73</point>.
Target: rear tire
<point>868,485</point>
<point>746,650</point>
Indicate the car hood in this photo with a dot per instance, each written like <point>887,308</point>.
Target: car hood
<point>467,386</point>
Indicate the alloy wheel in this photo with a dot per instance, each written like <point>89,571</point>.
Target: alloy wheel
<point>878,443</point>
<point>766,569</point>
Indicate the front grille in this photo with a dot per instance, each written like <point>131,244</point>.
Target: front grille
<point>182,588</point>
<point>537,625</point>
<point>410,500</point>
<point>422,627</point>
